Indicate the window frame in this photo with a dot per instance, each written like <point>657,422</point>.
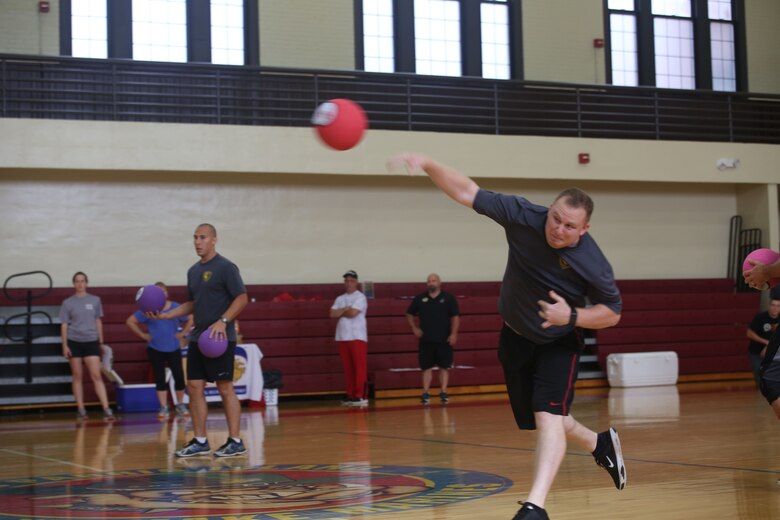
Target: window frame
<point>702,41</point>
<point>471,37</point>
<point>120,30</point>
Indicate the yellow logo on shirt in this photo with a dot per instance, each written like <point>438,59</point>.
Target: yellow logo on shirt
<point>207,276</point>
<point>563,263</point>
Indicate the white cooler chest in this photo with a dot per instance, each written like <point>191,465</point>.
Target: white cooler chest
<point>642,369</point>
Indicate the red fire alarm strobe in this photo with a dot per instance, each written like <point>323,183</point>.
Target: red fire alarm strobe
<point>598,43</point>
<point>583,158</point>
<point>43,7</point>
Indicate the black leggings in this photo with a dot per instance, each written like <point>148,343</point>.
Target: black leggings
<point>158,360</point>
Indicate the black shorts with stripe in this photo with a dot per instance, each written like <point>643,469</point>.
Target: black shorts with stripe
<point>539,377</point>
<point>210,369</point>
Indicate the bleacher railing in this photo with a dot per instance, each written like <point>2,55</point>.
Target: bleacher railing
<point>126,90</point>
<point>25,317</point>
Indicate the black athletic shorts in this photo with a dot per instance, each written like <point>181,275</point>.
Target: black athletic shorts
<point>435,354</point>
<point>83,349</point>
<point>210,369</point>
<point>770,390</point>
<point>539,378</point>
<point>769,367</point>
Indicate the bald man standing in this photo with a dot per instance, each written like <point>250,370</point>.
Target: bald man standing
<point>437,330</point>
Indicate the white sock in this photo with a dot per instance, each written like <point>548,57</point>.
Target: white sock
<point>201,440</point>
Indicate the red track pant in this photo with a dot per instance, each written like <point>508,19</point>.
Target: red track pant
<point>354,357</point>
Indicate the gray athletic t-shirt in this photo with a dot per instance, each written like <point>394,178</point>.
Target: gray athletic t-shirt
<point>212,287</point>
<point>579,273</point>
<point>80,313</point>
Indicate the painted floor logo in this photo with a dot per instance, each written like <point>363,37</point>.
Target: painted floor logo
<point>270,492</point>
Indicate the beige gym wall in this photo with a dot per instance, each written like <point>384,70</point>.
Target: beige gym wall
<point>131,228</point>
<point>558,40</point>
<point>120,201</point>
<point>307,35</point>
<point>762,19</point>
<point>24,30</point>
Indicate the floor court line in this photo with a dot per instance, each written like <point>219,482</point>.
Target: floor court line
<point>568,453</point>
<point>48,459</point>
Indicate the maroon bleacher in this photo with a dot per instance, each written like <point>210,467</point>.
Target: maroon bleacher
<point>703,320</point>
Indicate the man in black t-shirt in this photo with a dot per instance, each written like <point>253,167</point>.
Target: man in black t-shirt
<point>760,330</point>
<point>215,297</point>
<point>554,267</point>
<point>439,320</point>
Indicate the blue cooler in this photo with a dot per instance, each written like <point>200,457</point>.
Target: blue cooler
<point>137,398</point>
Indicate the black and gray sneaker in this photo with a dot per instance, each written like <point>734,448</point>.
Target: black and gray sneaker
<point>611,458</point>
<point>425,398</point>
<point>108,414</point>
<point>444,397</point>
<point>194,448</point>
<point>530,511</point>
<point>231,449</point>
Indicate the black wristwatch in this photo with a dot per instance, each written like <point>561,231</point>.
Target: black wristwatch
<point>223,320</point>
<point>573,317</point>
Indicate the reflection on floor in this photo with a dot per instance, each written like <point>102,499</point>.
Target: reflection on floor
<point>693,451</point>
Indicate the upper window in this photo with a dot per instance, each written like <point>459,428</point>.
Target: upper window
<point>673,40</point>
<point>724,63</point>
<point>494,17</point>
<point>437,37</point>
<point>623,53</point>
<point>227,32</point>
<point>668,57</point>
<point>434,36</point>
<point>89,29</point>
<point>160,30</point>
<point>378,54</point>
<point>157,30</point>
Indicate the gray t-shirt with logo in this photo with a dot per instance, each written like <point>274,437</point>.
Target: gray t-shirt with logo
<point>212,287</point>
<point>579,274</point>
<point>80,313</point>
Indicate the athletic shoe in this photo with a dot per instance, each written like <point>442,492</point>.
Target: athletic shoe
<point>181,410</point>
<point>231,449</point>
<point>108,414</point>
<point>358,402</point>
<point>193,448</point>
<point>81,414</point>
<point>347,401</point>
<point>444,397</point>
<point>164,412</point>
<point>426,398</point>
<point>531,511</point>
<point>612,458</point>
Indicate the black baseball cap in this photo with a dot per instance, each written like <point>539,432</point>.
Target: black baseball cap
<point>351,273</point>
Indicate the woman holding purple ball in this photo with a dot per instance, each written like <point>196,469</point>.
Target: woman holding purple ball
<point>163,339</point>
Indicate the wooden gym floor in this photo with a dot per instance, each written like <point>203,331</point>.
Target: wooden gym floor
<point>694,451</point>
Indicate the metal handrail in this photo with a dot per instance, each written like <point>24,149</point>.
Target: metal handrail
<point>30,295</point>
<point>28,331</point>
<point>127,90</point>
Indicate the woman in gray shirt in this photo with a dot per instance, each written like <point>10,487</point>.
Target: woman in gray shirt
<point>82,339</point>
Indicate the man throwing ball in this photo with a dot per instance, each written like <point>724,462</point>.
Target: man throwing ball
<point>553,266</point>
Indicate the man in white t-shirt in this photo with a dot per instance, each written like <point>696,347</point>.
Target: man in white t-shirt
<point>352,339</point>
